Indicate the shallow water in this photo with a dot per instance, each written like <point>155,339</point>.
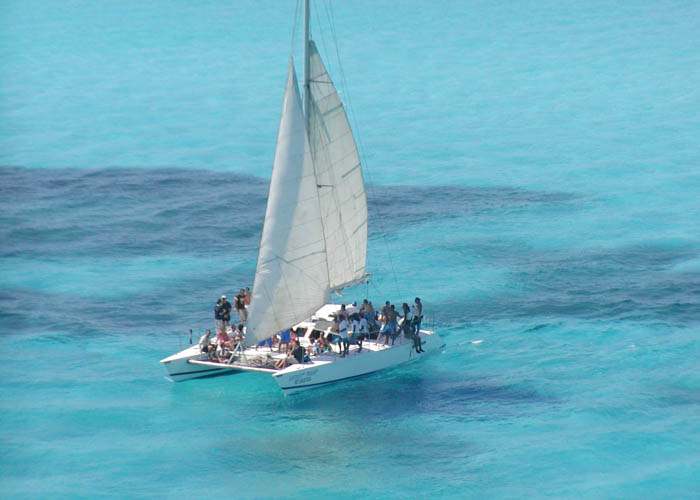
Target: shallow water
<point>533,177</point>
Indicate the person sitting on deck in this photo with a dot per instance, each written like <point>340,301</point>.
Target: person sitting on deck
<point>314,349</point>
<point>222,337</point>
<point>237,334</point>
<point>205,342</point>
<point>323,343</point>
<point>296,356</point>
<point>223,343</point>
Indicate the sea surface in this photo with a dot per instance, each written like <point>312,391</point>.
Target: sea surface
<point>533,175</point>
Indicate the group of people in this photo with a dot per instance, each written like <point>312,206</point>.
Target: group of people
<point>222,309</point>
<point>222,345</point>
<point>389,324</point>
<point>408,322</point>
<point>284,338</point>
<point>224,341</point>
<point>348,329</point>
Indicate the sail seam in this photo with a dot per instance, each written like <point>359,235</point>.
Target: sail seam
<point>351,170</point>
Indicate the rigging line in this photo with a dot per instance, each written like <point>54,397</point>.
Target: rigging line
<point>294,27</point>
<point>323,43</point>
<point>382,225</point>
<point>379,217</point>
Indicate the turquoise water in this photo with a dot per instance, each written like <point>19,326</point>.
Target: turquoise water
<point>534,178</point>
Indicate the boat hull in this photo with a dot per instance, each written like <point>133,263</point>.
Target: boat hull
<point>309,376</point>
<point>179,368</point>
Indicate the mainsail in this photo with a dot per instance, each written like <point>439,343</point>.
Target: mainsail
<point>315,233</point>
<point>291,278</point>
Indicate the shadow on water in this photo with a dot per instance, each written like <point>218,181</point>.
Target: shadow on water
<point>54,212</point>
<point>411,390</point>
<point>57,224</point>
<point>428,203</point>
<point>635,282</point>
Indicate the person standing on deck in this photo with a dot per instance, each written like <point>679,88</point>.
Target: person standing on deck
<point>393,319</point>
<point>359,329</point>
<point>344,343</point>
<point>368,313</point>
<point>385,330</point>
<point>285,338</point>
<point>407,321</point>
<point>239,304</point>
<point>218,320</point>
<point>417,315</point>
<point>417,318</point>
<point>225,312</point>
<point>343,313</point>
<point>248,297</point>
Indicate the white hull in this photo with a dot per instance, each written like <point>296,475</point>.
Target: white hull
<point>179,368</point>
<point>315,374</point>
<point>320,371</point>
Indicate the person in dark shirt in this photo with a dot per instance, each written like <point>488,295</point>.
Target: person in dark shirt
<point>417,318</point>
<point>225,312</point>
<point>298,352</point>
<point>296,356</point>
<point>217,316</point>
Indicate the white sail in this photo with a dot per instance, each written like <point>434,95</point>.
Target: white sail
<point>339,175</point>
<point>291,278</point>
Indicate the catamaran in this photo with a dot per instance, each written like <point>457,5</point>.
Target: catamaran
<point>314,244</point>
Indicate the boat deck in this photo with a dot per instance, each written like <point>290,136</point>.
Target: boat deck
<point>263,359</point>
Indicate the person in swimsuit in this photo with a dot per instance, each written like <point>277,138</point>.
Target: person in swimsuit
<point>239,304</point>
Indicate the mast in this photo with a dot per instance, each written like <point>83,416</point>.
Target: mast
<point>307,71</point>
